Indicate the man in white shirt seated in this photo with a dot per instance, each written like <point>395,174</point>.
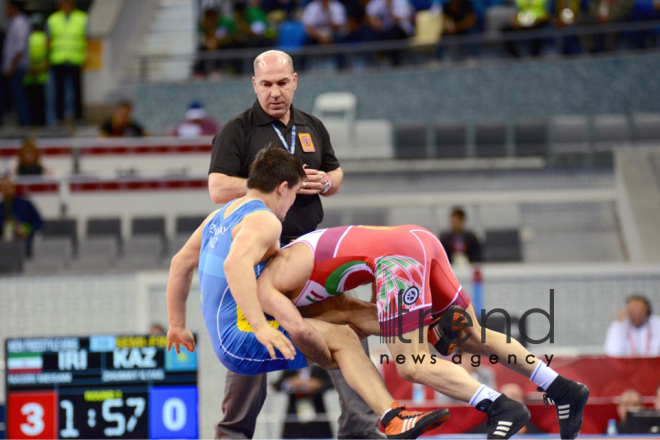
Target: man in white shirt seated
<point>636,332</point>
<point>323,21</point>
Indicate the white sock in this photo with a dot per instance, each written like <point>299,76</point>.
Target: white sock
<point>543,375</point>
<point>381,417</point>
<point>482,393</point>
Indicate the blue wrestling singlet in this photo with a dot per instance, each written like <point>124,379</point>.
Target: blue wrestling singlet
<point>232,337</point>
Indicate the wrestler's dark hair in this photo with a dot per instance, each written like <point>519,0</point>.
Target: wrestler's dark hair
<point>271,167</point>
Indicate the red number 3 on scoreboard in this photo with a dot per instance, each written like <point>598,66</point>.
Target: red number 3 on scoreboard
<point>32,415</point>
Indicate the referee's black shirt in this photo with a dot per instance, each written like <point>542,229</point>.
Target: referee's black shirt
<point>238,142</point>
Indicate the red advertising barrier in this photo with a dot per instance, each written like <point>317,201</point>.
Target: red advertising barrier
<point>606,378</point>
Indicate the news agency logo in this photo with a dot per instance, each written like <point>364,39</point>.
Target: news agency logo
<point>410,295</point>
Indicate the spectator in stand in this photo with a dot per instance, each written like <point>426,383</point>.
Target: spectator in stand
<point>390,19</point>
<point>67,32</point>
<point>29,160</point>
<point>323,20</point>
<point>197,123</point>
<point>567,13</point>
<point>636,332</point>
<point>15,60</point>
<point>19,219</point>
<point>462,246</point>
<point>357,27</point>
<point>157,329</point>
<point>629,401</point>
<point>532,14</point>
<point>252,24</point>
<point>216,32</point>
<point>286,6</point>
<point>656,402</point>
<point>121,124</point>
<point>305,388</point>
<point>605,12</point>
<point>37,76</point>
<point>459,17</point>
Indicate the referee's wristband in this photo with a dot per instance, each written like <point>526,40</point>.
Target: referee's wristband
<point>328,184</point>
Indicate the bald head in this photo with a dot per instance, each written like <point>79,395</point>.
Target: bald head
<point>273,59</point>
<point>275,83</point>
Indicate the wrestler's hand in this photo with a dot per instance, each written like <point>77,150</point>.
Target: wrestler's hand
<point>180,335</point>
<point>271,339</point>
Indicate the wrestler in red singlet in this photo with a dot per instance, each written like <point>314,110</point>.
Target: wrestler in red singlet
<point>407,262</point>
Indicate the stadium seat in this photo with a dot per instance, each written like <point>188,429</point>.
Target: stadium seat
<point>97,253</point>
<point>61,228</point>
<point>411,142</point>
<point>291,35</point>
<point>531,138</point>
<point>12,256</point>
<point>570,138</point>
<point>503,245</point>
<point>102,227</point>
<point>50,254</point>
<point>188,225</point>
<point>335,106</point>
<point>148,226</point>
<point>610,131</point>
<point>373,139</point>
<point>142,252</point>
<point>342,140</point>
<point>646,127</point>
<point>490,139</point>
<point>450,139</point>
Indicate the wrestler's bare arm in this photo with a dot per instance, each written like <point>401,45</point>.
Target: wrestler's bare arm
<point>285,270</point>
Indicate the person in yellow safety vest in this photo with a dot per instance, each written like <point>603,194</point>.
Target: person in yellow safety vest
<point>67,32</point>
<point>37,76</point>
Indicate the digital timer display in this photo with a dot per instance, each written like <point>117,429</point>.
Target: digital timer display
<point>100,387</point>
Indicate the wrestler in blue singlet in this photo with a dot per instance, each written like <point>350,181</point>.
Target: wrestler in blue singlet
<point>232,337</point>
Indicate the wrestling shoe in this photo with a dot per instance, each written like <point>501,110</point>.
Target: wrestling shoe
<point>401,423</point>
<point>505,416</point>
<point>439,326</point>
<point>570,398</point>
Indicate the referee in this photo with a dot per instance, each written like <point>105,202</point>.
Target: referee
<point>273,120</point>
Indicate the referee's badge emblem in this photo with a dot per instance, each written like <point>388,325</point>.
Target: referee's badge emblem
<point>306,142</point>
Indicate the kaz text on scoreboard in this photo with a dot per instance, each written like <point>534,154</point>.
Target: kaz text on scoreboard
<point>100,387</point>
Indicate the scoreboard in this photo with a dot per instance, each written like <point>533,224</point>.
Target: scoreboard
<point>100,387</point>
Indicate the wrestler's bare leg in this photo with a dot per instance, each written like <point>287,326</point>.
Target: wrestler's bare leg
<point>343,309</point>
<point>358,370</point>
<point>495,343</point>
<point>443,376</point>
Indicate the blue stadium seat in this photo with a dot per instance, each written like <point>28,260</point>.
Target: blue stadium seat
<point>490,139</point>
<point>410,141</point>
<point>531,138</point>
<point>450,139</point>
<point>291,35</point>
